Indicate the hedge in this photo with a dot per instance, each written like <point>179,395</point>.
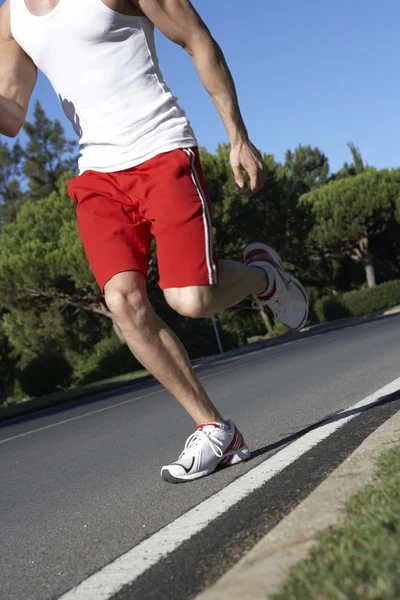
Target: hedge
<point>358,303</point>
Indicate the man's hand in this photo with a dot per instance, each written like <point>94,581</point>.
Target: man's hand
<point>245,157</point>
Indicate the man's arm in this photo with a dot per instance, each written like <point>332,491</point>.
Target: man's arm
<point>179,21</point>
<point>17,78</point>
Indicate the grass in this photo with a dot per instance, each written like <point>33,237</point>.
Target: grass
<point>360,558</point>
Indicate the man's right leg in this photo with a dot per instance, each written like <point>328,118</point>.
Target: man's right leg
<point>155,345</point>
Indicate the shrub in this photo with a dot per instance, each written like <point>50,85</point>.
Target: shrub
<point>358,303</point>
<point>109,358</point>
<point>45,374</point>
<point>198,336</point>
<point>370,300</point>
<point>330,308</point>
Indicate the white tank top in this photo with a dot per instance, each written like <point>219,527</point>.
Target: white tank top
<point>104,69</point>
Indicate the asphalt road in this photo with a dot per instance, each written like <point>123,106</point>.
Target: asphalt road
<point>81,486</point>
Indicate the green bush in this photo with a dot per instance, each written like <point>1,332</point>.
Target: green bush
<point>330,308</point>
<point>7,365</point>
<point>370,300</point>
<point>358,303</point>
<point>198,336</point>
<point>243,319</point>
<point>109,358</point>
<point>45,374</point>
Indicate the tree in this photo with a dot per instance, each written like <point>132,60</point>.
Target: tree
<point>350,212</point>
<point>47,155</point>
<point>46,286</point>
<point>308,167</point>
<point>7,364</point>
<point>31,170</point>
<point>11,195</point>
<point>355,168</point>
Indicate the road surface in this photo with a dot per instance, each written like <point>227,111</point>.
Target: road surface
<point>80,485</point>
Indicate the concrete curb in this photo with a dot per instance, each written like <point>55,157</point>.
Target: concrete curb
<point>265,568</point>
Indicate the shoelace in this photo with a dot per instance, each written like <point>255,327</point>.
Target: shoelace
<point>199,435</point>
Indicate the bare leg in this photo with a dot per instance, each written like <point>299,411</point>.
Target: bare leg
<point>156,346</point>
<point>235,282</point>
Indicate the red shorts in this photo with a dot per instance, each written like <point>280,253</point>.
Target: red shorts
<point>165,198</point>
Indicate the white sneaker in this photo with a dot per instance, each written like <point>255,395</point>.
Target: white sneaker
<point>210,446</point>
<point>285,297</point>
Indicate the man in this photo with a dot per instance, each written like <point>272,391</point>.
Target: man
<point>140,177</point>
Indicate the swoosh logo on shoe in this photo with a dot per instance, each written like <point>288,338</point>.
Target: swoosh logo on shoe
<point>187,471</point>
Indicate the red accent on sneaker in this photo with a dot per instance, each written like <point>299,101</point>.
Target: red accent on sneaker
<point>268,296</point>
<point>236,443</point>
<point>261,255</point>
<point>228,464</point>
<point>217,425</point>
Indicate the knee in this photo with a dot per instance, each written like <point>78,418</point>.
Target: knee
<point>190,302</point>
<point>128,303</point>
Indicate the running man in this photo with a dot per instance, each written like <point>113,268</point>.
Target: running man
<point>140,177</point>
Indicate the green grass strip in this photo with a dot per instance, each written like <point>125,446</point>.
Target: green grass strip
<point>360,558</point>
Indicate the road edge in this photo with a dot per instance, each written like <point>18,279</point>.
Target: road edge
<point>262,571</point>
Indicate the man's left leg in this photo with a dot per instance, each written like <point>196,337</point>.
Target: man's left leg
<point>236,281</point>
<point>262,275</point>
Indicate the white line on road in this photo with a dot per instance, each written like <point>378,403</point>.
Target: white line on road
<point>117,404</point>
<point>128,567</point>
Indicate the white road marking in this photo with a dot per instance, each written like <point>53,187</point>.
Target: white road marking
<point>88,414</point>
<point>114,405</point>
<point>128,567</point>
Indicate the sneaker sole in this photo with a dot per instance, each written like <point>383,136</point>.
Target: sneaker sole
<point>303,291</point>
<point>230,460</point>
<point>277,260</point>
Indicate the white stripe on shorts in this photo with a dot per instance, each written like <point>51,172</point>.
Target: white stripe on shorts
<point>211,266</point>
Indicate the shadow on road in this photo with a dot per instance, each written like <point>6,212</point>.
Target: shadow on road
<point>384,400</point>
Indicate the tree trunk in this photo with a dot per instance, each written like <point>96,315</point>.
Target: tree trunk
<point>266,320</point>
<point>370,273</point>
<point>362,254</point>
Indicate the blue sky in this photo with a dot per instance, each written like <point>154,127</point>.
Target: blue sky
<point>309,72</point>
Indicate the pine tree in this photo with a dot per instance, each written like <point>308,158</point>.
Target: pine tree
<point>47,155</point>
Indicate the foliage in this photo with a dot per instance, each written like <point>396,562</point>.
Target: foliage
<point>108,358</point>
<point>358,302</point>
<point>45,373</point>
<point>349,213</point>
<point>198,336</point>
<point>308,167</point>
<point>7,365</point>
<point>30,171</point>
<point>355,168</point>
<point>11,195</point>
<point>47,155</point>
<point>368,301</point>
<point>47,288</point>
<point>330,308</point>
<point>347,210</point>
